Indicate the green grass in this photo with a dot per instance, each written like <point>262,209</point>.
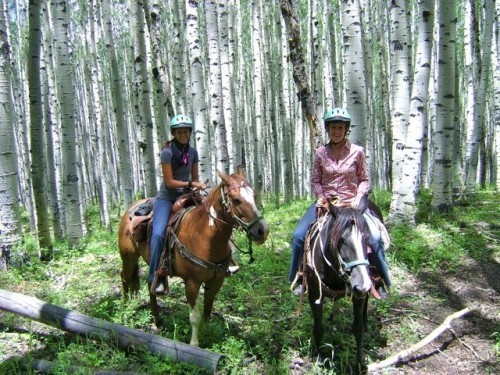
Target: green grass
<point>254,324</point>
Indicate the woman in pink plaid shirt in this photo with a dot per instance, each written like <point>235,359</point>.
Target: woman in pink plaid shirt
<point>340,171</point>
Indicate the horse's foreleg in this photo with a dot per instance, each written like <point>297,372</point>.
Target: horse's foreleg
<point>153,304</point>
<point>192,290</point>
<point>359,322</point>
<point>211,290</point>
<point>194,319</point>
<point>317,311</point>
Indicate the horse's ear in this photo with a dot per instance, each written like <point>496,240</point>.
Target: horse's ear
<point>363,203</point>
<point>222,175</point>
<point>333,210</point>
<point>240,171</point>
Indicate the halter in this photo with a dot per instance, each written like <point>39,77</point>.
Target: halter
<point>346,268</point>
<point>343,269</point>
<point>227,205</point>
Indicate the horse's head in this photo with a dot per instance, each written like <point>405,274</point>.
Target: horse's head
<point>238,200</point>
<point>349,238</point>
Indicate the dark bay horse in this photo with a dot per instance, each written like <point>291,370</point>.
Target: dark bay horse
<point>336,264</point>
<point>201,252</point>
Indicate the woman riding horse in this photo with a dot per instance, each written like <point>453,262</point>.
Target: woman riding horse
<point>340,171</point>
<point>200,249</point>
<point>179,166</point>
<point>335,264</point>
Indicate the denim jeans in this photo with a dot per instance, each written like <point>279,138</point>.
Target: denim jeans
<point>377,246</point>
<point>298,237</point>
<point>162,209</point>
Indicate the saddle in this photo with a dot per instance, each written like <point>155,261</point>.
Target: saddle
<point>141,215</point>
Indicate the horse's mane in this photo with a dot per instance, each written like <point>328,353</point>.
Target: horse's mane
<point>214,195</point>
<point>344,218</point>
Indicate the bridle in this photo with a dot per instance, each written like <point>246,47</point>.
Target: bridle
<point>238,223</point>
<point>228,206</point>
<point>344,268</point>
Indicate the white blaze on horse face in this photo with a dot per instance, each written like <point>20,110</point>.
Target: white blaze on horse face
<point>358,241</point>
<point>247,194</point>
<point>213,215</point>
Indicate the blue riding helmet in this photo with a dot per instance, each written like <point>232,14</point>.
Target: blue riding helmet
<point>181,121</point>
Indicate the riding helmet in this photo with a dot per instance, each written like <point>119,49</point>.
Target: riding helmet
<point>181,121</point>
<point>337,114</point>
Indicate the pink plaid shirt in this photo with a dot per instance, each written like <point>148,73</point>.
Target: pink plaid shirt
<point>348,178</point>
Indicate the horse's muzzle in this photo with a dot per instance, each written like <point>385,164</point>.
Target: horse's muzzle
<point>259,232</point>
<point>360,281</point>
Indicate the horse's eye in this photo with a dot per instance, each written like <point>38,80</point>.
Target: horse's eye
<point>236,201</point>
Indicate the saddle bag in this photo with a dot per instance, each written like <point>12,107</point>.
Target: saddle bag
<point>140,219</point>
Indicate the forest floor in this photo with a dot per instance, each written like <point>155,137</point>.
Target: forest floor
<point>421,303</point>
<point>467,347</point>
<point>254,323</point>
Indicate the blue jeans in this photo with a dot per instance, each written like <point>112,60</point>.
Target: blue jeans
<point>161,209</point>
<point>377,247</point>
<point>299,234</point>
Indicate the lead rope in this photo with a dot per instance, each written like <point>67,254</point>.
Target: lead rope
<point>250,249</point>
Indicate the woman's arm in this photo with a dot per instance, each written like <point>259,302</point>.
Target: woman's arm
<point>196,177</point>
<point>363,173</point>
<point>172,183</point>
<point>168,177</point>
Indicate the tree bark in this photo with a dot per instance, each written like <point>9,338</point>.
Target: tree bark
<point>10,224</point>
<point>297,56</point>
<point>97,329</point>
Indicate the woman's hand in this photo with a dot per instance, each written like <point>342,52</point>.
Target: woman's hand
<point>321,202</point>
<point>198,185</point>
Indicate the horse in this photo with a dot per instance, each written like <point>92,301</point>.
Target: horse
<point>201,252</point>
<point>335,265</point>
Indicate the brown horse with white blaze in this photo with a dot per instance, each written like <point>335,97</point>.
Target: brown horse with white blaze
<point>201,253</point>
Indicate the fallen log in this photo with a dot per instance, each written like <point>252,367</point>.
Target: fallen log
<point>43,366</point>
<point>97,329</point>
<point>404,354</point>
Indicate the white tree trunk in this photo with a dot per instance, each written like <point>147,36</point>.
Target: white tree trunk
<point>442,137</point>
<point>215,87</point>
<point>198,90</point>
<point>71,193</point>
<point>99,120</point>
<point>125,167</point>
<point>144,110</point>
<point>475,134</point>
<point>258,97</point>
<point>400,50</point>
<point>10,228</point>
<point>496,81</point>
<point>37,135</point>
<point>405,208</point>
<point>225,49</point>
<point>354,73</point>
